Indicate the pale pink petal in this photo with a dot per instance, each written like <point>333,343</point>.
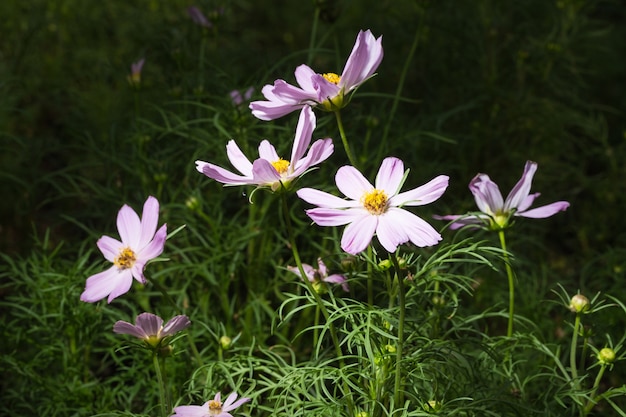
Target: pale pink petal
<point>290,94</point>
<point>192,410</point>
<point>389,177</point>
<point>149,221</point>
<point>521,190</point>
<point>319,152</point>
<point>324,199</point>
<point>110,247</point>
<point>264,173</point>
<point>308,270</point>
<point>424,194</point>
<point>238,159</point>
<point>358,234</point>
<point>528,201</point>
<point>544,211</point>
<point>486,193</point>
<point>231,404</point>
<point>304,133</point>
<point>464,220</point>
<point>267,151</point>
<point>129,226</point>
<point>334,217</point>
<point>175,325</point>
<point>150,323</point>
<point>338,279</point>
<point>122,327</point>
<point>124,282</point>
<point>321,267</point>
<point>304,75</point>
<point>221,175</point>
<point>420,233</point>
<point>155,247</point>
<point>271,110</point>
<point>100,285</point>
<point>324,88</point>
<point>366,56</point>
<point>390,232</point>
<point>352,183</point>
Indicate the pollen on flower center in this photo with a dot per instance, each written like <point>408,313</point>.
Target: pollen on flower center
<point>126,259</point>
<point>332,77</point>
<point>281,165</point>
<point>215,407</point>
<point>375,201</point>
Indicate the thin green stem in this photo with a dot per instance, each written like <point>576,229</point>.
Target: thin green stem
<point>592,398</point>
<point>161,383</point>
<point>316,18</point>
<point>398,397</point>
<point>509,274</point>
<point>572,350</point>
<point>344,139</point>
<point>370,277</point>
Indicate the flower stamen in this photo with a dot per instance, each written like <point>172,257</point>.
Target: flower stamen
<point>126,259</point>
<point>281,165</point>
<point>375,201</point>
<point>215,407</point>
<point>331,77</point>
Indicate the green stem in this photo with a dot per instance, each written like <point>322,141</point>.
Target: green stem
<point>398,397</point>
<point>316,18</point>
<point>592,398</point>
<point>572,351</point>
<point>161,383</point>
<point>370,277</point>
<point>344,139</point>
<point>509,274</point>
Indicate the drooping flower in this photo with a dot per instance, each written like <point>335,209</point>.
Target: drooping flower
<point>211,408</point>
<point>327,90</point>
<point>376,209</point>
<point>238,99</point>
<point>134,78</point>
<point>139,245</point>
<point>149,327</point>
<point>270,170</point>
<point>319,275</point>
<point>497,213</point>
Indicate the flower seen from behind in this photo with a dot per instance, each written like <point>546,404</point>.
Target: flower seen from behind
<point>141,242</point>
<point>376,210</point>
<point>497,213</point>
<point>327,90</point>
<point>211,408</point>
<point>270,170</point>
<point>320,275</point>
<point>149,328</point>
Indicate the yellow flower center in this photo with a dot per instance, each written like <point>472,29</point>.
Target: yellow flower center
<point>331,77</point>
<point>215,407</point>
<point>281,165</point>
<point>126,259</point>
<point>375,201</point>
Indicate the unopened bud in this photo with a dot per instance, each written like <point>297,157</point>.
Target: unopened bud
<point>225,342</point>
<point>384,265</point>
<point>606,356</point>
<point>579,304</point>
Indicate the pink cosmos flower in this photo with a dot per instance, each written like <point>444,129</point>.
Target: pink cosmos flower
<point>198,17</point>
<point>150,329</point>
<point>376,209</point>
<point>496,212</point>
<point>237,98</point>
<point>316,276</point>
<point>270,170</point>
<point>139,245</point>
<point>325,90</point>
<point>211,408</point>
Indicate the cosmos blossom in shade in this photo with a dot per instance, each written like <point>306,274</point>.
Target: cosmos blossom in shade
<point>376,209</point>
<point>237,98</point>
<point>497,213</point>
<point>149,327</point>
<point>270,170</point>
<point>325,90</point>
<point>135,72</point>
<point>141,242</point>
<point>211,408</point>
<point>319,275</point>
<point>198,17</point>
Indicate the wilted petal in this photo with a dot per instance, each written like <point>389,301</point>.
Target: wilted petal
<point>424,194</point>
<point>544,211</point>
<point>390,174</point>
<point>352,183</point>
<point>521,190</point>
<point>358,234</point>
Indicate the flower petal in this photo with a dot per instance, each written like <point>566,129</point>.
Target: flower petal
<point>544,211</point>
<point>419,232</point>
<point>363,61</point>
<point>191,410</point>
<point>264,173</point>
<point>267,151</point>
<point>390,174</point>
<point>155,247</point>
<point>238,159</point>
<point>487,194</point>
<point>333,217</point>
<point>175,325</point>
<point>129,226</point>
<point>461,220</point>
<point>352,183</point>
<point>324,88</point>
<point>150,323</point>
<point>110,247</point>
<point>324,199</point>
<point>304,133</point>
<point>521,190</point>
<point>390,232</point>
<point>124,282</point>
<point>338,279</point>
<point>221,175</point>
<point>319,152</point>
<point>149,221</point>
<point>105,283</point>
<point>308,270</point>
<point>231,404</point>
<point>304,76</point>
<point>358,234</point>
<point>424,194</point>
<point>122,327</point>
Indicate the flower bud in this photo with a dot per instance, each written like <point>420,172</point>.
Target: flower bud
<point>192,203</point>
<point>606,356</point>
<point>579,304</point>
<point>384,265</point>
<point>226,342</point>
